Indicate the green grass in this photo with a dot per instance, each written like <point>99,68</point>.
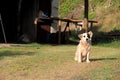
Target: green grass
<point>112,44</point>
<point>56,62</point>
<point>67,6</point>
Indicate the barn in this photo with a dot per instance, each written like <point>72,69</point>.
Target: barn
<point>18,21</point>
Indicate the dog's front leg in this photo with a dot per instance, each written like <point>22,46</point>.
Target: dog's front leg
<point>79,57</point>
<point>87,59</point>
<point>76,56</point>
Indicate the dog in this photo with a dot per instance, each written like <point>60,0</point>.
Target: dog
<point>83,48</point>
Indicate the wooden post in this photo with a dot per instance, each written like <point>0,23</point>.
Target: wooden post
<point>59,33</point>
<point>85,25</point>
<point>36,19</point>
<point>35,29</point>
<point>86,4</point>
<point>67,32</point>
<point>91,25</point>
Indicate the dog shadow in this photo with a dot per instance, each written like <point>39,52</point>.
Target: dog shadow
<point>102,59</point>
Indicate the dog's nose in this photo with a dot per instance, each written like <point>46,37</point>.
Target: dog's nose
<point>87,39</point>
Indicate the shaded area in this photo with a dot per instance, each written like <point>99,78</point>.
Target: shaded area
<point>8,53</point>
<point>99,37</point>
<point>18,19</point>
<point>102,59</point>
<point>8,11</point>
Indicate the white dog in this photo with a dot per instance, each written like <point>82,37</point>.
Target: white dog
<point>83,48</point>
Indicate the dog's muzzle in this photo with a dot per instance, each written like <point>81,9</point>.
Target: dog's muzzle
<point>87,39</point>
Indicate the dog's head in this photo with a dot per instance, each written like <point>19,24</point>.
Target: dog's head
<point>86,36</point>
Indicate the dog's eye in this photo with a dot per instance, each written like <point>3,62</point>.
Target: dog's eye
<point>83,36</point>
<point>88,36</point>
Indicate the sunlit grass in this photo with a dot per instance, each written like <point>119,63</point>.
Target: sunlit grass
<point>48,62</point>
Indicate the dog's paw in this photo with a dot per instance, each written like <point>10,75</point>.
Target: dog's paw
<point>75,59</point>
<point>88,61</point>
<point>79,61</point>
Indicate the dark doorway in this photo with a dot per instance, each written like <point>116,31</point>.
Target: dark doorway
<point>43,28</point>
<point>8,13</point>
<point>18,19</point>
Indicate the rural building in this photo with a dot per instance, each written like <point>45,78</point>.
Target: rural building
<point>18,21</point>
<point>35,21</point>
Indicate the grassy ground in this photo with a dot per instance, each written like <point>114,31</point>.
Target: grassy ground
<point>55,62</point>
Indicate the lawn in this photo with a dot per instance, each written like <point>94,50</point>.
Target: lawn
<point>56,62</point>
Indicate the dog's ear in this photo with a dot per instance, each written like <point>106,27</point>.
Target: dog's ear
<point>90,33</point>
<point>80,36</point>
